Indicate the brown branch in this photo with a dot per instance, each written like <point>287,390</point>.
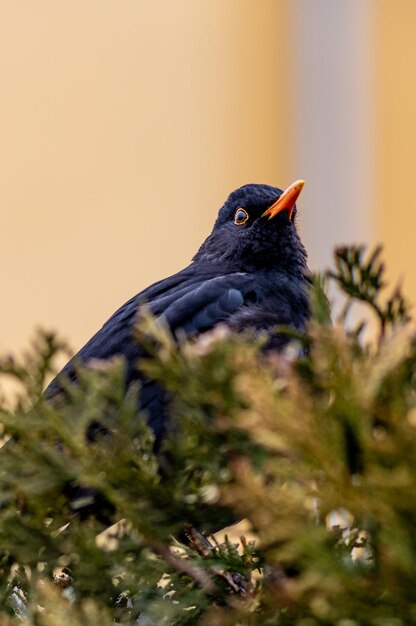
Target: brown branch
<point>184,566</point>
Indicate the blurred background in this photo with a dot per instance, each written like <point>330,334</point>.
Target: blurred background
<point>124,126</point>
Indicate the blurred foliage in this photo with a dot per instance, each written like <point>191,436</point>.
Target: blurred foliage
<point>314,448</point>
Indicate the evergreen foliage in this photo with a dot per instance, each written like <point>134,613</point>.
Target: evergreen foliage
<point>315,449</point>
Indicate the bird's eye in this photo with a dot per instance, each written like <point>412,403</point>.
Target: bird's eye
<point>240,217</point>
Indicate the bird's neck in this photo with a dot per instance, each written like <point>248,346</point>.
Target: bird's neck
<point>297,270</point>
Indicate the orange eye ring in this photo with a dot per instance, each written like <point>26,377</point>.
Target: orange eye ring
<point>241,216</point>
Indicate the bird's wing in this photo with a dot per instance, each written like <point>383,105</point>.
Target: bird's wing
<point>188,302</point>
<point>201,306</point>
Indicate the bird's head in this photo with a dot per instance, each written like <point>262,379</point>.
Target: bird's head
<point>255,229</point>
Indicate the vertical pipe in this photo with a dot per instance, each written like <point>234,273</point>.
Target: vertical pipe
<point>332,98</point>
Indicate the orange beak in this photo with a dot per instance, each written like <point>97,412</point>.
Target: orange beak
<point>285,202</point>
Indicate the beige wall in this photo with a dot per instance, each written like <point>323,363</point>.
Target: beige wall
<point>124,126</point>
<point>394,34</point>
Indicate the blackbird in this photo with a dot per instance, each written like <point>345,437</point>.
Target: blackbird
<point>250,273</point>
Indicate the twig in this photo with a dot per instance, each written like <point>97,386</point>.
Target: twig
<point>185,567</point>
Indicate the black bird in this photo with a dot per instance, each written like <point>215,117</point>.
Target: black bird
<point>250,273</point>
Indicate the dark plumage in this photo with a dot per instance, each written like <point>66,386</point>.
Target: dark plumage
<point>250,273</point>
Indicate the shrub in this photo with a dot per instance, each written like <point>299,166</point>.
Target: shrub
<point>315,449</point>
